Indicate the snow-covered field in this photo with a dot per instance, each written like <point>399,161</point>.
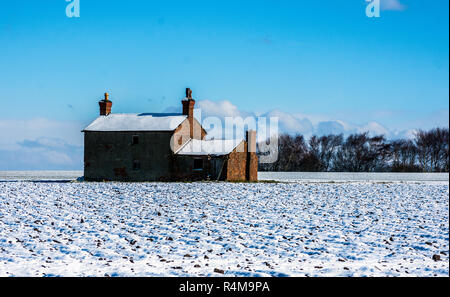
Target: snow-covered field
<point>239,229</point>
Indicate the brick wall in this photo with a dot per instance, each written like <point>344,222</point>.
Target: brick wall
<point>237,163</point>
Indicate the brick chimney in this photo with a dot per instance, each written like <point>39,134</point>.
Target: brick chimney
<point>188,110</point>
<point>105,106</point>
<point>252,157</point>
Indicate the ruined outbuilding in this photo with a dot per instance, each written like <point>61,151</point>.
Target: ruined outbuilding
<point>163,147</point>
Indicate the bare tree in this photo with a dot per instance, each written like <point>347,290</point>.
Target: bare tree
<point>361,153</point>
<point>432,147</point>
<point>323,150</point>
<point>404,156</point>
<point>428,152</point>
<point>291,150</point>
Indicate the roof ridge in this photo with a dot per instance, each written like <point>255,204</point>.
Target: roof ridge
<point>236,142</point>
<point>136,122</point>
<point>147,113</point>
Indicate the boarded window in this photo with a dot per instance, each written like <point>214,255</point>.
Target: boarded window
<point>198,164</point>
<point>136,165</point>
<point>135,139</point>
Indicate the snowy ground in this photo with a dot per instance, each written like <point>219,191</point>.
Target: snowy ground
<point>206,229</point>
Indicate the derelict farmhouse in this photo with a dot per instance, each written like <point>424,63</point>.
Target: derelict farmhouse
<point>163,147</point>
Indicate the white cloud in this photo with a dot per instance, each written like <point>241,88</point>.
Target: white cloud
<point>403,134</point>
<point>296,123</point>
<point>374,128</point>
<point>329,127</point>
<point>14,131</point>
<point>291,123</point>
<point>221,109</point>
<point>41,159</point>
<point>37,144</point>
<point>392,5</point>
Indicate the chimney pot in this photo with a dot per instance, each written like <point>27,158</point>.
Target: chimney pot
<point>105,105</point>
<point>251,141</point>
<point>252,158</point>
<point>188,93</point>
<point>188,110</point>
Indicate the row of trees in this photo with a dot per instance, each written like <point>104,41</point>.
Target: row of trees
<point>427,152</point>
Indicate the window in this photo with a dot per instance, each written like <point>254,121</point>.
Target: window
<point>198,164</point>
<point>136,165</point>
<point>135,140</point>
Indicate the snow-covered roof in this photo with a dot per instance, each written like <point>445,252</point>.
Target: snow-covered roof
<point>137,122</point>
<point>209,147</point>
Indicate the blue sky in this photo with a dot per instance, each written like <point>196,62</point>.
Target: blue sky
<point>316,64</point>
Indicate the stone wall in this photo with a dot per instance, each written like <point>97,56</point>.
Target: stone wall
<point>112,156</point>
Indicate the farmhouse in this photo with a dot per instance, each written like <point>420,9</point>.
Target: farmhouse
<point>163,147</point>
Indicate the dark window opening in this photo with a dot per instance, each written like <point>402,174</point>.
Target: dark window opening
<point>136,165</point>
<point>198,164</point>
<point>135,140</point>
